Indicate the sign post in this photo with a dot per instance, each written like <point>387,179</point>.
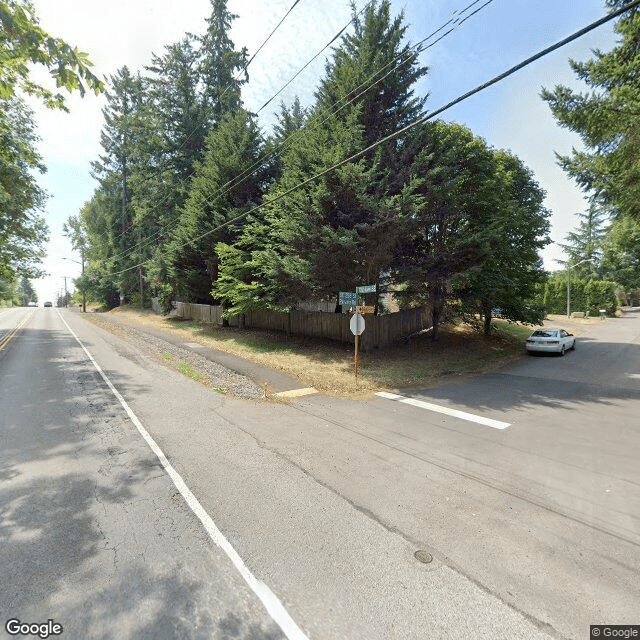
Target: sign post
<point>357,327</point>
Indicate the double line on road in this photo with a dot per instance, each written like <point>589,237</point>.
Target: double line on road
<point>7,338</point>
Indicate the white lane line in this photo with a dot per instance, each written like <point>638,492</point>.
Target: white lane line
<point>270,601</point>
<point>463,415</point>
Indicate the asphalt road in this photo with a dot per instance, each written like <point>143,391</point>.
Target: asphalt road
<point>534,529</point>
<point>94,533</point>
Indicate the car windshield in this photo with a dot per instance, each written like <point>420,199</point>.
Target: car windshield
<point>545,334</point>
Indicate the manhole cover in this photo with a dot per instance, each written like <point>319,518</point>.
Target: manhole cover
<point>423,556</point>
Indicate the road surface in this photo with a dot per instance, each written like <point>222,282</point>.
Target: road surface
<point>172,511</point>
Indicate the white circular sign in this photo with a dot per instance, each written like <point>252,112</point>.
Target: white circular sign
<point>357,324</point>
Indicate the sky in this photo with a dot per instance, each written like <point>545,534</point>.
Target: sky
<point>508,115</point>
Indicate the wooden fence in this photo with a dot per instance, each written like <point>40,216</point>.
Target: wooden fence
<point>379,332</point>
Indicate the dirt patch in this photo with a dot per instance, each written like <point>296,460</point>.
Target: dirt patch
<point>328,366</point>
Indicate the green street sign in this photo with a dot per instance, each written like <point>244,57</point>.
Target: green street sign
<point>348,298</point>
<point>368,288</point>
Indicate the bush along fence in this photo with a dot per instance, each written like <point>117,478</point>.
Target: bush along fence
<point>379,330</point>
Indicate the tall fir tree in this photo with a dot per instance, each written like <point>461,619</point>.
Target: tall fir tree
<point>607,119</point>
<point>197,84</point>
<point>120,136</point>
<point>450,182</point>
<point>221,67</point>
<point>585,244</point>
<point>221,191</point>
<point>336,232</point>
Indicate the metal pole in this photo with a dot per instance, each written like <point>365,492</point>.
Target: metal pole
<point>84,292</point>
<point>355,358</point>
<point>569,292</point>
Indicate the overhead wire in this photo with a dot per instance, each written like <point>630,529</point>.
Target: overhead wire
<point>358,92</point>
<point>423,119</point>
<point>315,57</point>
<point>246,66</point>
<point>335,37</point>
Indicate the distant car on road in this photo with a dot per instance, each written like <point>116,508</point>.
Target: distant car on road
<point>550,341</point>
<point>48,304</point>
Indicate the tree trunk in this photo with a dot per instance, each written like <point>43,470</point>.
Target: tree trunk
<point>487,323</point>
<point>436,310</point>
<point>377,305</point>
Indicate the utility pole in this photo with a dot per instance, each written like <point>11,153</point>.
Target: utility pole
<point>84,293</point>
<point>140,272</point>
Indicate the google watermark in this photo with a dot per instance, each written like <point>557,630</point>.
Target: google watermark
<point>614,631</point>
<point>40,629</point>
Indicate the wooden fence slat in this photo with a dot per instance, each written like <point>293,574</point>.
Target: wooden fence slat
<point>380,331</point>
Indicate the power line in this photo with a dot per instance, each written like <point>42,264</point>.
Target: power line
<point>361,89</point>
<point>423,119</point>
<point>188,138</point>
<point>127,251</point>
<point>246,66</point>
<point>326,46</point>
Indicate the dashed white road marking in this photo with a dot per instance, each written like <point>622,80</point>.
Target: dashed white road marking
<point>269,600</point>
<point>463,415</point>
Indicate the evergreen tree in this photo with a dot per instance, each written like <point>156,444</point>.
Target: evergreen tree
<point>27,292</point>
<point>121,133</point>
<point>196,84</point>
<point>511,271</point>
<point>219,193</point>
<point>606,119</point>
<point>221,68</point>
<point>621,254</point>
<point>96,218</point>
<point>585,243</point>
<point>289,121</point>
<point>337,231</point>
<point>446,236</point>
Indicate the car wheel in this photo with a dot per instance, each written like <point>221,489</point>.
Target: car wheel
<point>573,346</point>
<point>562,350</point>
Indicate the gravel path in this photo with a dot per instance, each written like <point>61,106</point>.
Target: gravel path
<point>214,375</point>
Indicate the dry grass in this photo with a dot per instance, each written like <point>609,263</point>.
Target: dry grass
<point>328,366</point>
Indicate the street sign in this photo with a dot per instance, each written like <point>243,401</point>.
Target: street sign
<point>365,309</point>
<point>368,288</point>
<point>356,324</point>
<point>348,298</point>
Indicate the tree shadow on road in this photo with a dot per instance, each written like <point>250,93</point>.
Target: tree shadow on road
<point>94,534</point>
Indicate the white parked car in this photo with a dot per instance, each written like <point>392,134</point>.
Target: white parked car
<point>551,341</point>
